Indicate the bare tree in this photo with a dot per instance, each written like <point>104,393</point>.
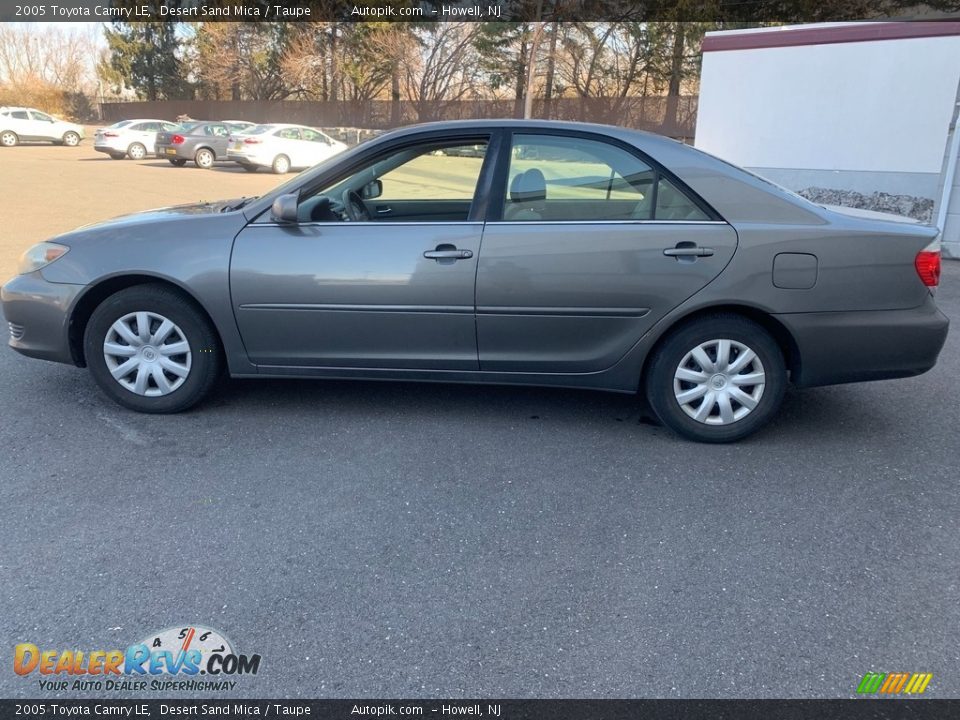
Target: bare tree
<point>46,66</point>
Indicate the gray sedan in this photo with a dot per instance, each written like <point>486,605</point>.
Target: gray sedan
<point>507,251</point>
<point>203,143</point>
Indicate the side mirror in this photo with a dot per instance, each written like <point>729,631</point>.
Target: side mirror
<point>371,190</point>
<point>284,208</point>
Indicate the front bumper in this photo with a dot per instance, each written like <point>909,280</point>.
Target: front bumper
<point>37,314</point>
<point>842,347</point>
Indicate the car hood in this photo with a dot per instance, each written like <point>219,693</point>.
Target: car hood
<point>160,214</point>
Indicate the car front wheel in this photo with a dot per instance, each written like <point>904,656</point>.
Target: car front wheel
<point>8,138</point>
<point>71,139</point>
<point>281,164</point>
<point>717,379</point>
<point>152,350</point>
<point>136,151</point>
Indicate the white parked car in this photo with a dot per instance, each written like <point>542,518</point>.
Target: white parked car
<point>131,138</point>
<point>281,147</point>
<point>18,124</point>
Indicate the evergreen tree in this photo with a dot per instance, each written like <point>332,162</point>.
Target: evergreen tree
<point>145,57</point>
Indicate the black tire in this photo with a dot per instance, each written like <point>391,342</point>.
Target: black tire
<point>177,162</point>
<point>249,168</point>
<point>117,156</point>
<point>205,352</point>
<point>674,349</point>
<point>204,158</point>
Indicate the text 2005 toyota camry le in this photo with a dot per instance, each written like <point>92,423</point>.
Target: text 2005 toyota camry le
<point>495,252</point>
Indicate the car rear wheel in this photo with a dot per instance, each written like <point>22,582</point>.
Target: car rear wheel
<point>71,139</point>
<point>152,350</point>
<point>281,164</point>
<point>178,162</point>
<point>204,158</point>
<point>8,138</point>
<point>248,167</point>
<point>717,379</point>
<point>136,151</point>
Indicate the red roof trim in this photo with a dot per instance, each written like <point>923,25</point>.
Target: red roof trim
<point>864,32</point>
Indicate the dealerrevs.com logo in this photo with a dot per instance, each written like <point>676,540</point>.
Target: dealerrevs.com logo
<point>191,657</point>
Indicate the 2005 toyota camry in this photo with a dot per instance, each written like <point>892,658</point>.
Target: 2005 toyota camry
<point>520,252</point>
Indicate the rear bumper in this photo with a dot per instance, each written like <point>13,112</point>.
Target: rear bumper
<point>37,313</point>
<point>112,149</point>
<point>842,347</point>
<point>245,159</point>
<point>177,154</point>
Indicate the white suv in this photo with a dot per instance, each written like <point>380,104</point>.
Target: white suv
<point>19,124</point>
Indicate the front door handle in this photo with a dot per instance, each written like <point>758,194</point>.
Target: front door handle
<point>688,249</point>
<point>448,252</point>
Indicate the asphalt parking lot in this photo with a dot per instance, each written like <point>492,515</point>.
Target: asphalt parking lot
<point>372,539</point>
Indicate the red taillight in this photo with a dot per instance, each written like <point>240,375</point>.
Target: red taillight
<point>177,139</point>
<point>110,134</point>
<point>928,267</point>
<point>251,141</point>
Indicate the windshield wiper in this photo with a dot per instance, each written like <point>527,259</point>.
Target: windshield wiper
<point>238,205</point>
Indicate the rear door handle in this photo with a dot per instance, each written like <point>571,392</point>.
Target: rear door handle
<point>688,251</point>
<point>448,254</point>
<point>384,209</point>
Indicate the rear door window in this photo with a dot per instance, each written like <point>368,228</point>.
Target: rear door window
<point>566,178</point>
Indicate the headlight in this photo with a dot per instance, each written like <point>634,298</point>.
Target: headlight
<point>40,255</point>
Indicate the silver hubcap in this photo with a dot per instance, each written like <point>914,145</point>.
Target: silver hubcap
<point>147,354</point>
<point>137,152</point>
<point>204,159</point>
<point>719,382</point>
<point>71,139</point>
<point>8,138</point>
<point>281,164</point>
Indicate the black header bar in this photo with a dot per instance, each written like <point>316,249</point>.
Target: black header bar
<point>367,709</point>
<point>733,11</point>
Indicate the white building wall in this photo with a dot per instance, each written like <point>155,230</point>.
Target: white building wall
<point>866,115</point>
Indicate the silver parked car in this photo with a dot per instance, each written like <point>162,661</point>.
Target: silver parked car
<point>524,252</point>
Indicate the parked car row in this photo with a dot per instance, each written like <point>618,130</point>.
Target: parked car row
<point>277,146</point>
<point>280,147</point>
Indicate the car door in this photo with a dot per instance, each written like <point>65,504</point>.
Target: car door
<point>22,125</point>
<point>317,146</point>
<point>215,136</point>
<point>592,246</point>
<point>375,293</point>
<point>42,126</point>
<point>288,143</point>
